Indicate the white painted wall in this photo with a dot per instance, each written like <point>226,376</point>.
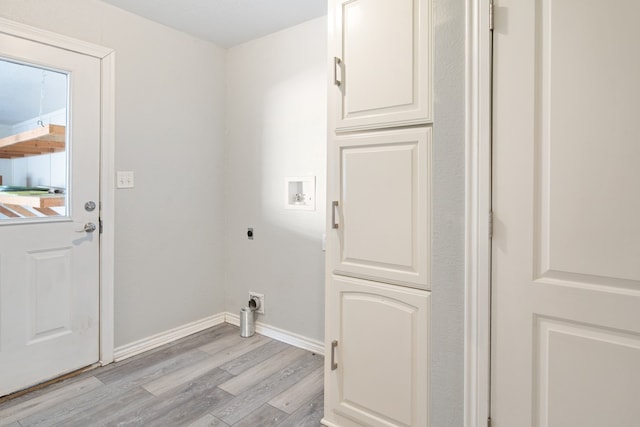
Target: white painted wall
<point>5,130</point>
<point>6,171</point>
<point>169,131</point>
<point>276,128</point>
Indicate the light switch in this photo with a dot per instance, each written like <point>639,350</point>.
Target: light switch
<point>124,179</point>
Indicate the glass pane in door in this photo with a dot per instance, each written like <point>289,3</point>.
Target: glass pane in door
<point>33,142</point>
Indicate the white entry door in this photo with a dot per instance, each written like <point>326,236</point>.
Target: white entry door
<point>566,203</point>
<point>49,258</point>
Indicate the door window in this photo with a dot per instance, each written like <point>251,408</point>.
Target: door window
<point>33,142</point>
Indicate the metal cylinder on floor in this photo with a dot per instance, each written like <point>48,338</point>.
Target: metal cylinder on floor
<point>247,322</point>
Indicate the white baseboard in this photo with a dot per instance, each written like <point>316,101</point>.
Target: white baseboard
<point>154,341</point>
<point>281,335</point>
<point>149,343</point>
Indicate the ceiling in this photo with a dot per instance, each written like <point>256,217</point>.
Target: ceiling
<point>226,23</point>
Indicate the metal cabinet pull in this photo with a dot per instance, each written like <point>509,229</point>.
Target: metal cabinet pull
<point>334,364</point>
<point>337,78</point>
<point>334,207</point>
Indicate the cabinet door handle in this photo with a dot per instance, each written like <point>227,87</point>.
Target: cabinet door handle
<point>334,207</point>
<point>337,78</point>
<point>334,364</point>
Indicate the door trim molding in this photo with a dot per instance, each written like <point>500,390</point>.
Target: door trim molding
<point>107,167</point>
<point>477,328</point>
<point>107,209</point>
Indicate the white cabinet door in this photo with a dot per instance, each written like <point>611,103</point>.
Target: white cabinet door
<point>380,53</point>
<point>379,185</point>
<point>377,370</point>
<point>566,248</point>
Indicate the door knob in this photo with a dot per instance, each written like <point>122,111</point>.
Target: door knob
<point>88,228</point>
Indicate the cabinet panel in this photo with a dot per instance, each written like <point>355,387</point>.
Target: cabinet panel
<point>382,334</point>
<point>382,72</point>
<point>382,212</point>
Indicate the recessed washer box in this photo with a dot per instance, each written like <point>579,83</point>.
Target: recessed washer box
<point>300,192</point>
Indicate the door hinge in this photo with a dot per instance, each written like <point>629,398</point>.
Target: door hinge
<point>489,422</point>
<point>491,15</point>
<point>490,224</point>
<point>100,225</point>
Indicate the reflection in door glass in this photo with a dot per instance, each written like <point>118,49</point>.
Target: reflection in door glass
<point>33,155</point>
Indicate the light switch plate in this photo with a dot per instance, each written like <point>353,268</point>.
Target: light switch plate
<point>124,179</point>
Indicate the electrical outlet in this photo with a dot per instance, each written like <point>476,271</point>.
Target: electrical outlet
<point>124,179</point>
<point>258,300</point>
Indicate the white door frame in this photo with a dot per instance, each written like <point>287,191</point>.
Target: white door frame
<point>107,171</point>
<point>477,352</point>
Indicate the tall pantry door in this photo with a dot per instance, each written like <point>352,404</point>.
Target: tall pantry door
<point>566,203</point>
<point>379,215</point>
<point>49,266</point>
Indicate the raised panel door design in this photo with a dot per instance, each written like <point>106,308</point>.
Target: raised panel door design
<point>566,241</point>
<point>581,366</point>
<point>50,294</point>
<point>382,213</point>
<point>382,360</point>
<point>381,63</point>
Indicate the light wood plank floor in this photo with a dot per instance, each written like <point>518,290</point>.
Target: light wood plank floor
<point>213,378</point>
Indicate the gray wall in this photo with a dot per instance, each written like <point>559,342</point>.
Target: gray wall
<point>447,326</point>
<point>276,128</point>
<point>169,131</point>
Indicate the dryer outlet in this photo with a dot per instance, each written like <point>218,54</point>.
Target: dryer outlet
<point>256,302</point>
